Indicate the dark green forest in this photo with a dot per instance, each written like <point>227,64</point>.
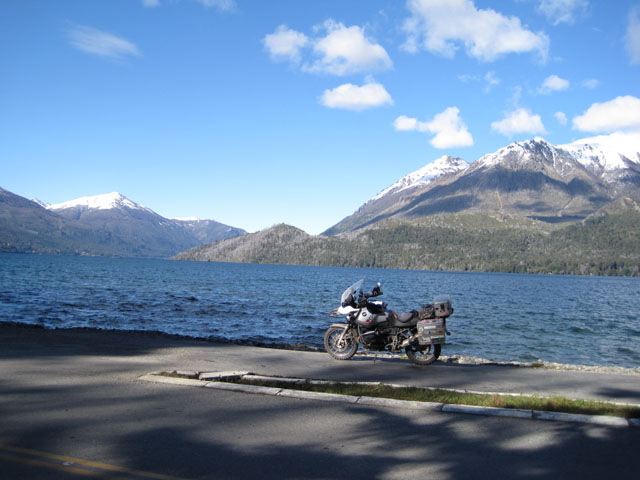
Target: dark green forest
<point>607,244</point>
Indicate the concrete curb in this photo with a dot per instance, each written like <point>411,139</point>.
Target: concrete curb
<point>392,403</point>
<point>328,397</point>
<point>601,420</point>
<point>488,411</point>
<point>579,418</point>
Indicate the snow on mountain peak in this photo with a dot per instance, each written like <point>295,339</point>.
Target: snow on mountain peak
<point>524,150</point>
<point>106,201</point>
<point>427,174</point>
<point>40,202</point>
<point>605,152</point>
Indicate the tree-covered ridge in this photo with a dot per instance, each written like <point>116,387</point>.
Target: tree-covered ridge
<point>604,244</point>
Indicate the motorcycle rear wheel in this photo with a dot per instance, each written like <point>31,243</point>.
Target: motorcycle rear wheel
<point>423,355</point>
<point>339,350</point>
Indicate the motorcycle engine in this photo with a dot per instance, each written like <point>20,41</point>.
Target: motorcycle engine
<point>372,340</point>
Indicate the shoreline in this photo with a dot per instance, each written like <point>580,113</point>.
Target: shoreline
<point>444,359</point>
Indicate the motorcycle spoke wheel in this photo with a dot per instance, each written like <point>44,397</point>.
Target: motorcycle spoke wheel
<point>423,355</point>
<point>340,350</point>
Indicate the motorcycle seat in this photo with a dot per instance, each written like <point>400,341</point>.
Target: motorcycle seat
<point>404,317</point>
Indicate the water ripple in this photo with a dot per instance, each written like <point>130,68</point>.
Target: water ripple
<point>502,317</point>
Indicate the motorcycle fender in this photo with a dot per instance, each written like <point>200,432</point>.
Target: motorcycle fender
<point>341,325</point>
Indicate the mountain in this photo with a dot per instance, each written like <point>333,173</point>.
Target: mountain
<point>207,231</point>
<point>605,243</point>
<point>530,207</point>
<point>280,244</point>
<point>425,175</point>
<point>27,227</point>
<point>109,224</point>
<point>532,179</point>
<point>143,232</point>
<point>392,197</point>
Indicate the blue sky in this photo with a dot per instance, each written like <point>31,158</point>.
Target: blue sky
<point>258,112</point>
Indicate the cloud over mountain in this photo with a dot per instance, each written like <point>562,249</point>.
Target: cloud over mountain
<point>354,97</point>
<point>521,120</point>
<point>340,51</point>
<point>449,129</point>
<point>621,113</point>
<point>442,27</point>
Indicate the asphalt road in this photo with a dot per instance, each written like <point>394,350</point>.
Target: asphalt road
<point>71,406</point>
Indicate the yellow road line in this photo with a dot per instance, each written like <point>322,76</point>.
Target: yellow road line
<point>72,464</point>
<point>54,466</point>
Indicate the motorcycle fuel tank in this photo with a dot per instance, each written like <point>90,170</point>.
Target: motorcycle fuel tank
<point>369,320</point>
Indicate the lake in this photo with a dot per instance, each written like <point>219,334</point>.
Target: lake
<point>500,317</point>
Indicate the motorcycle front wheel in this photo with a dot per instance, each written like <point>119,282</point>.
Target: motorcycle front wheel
<point>423,354</point>
<point>340,350</point>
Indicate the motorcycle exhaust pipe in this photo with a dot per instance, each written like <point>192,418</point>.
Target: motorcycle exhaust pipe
<point>409,341</point>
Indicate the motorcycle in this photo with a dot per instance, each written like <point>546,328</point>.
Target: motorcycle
<point>420,334</point>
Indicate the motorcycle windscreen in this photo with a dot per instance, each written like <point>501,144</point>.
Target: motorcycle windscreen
<point>351,291</point>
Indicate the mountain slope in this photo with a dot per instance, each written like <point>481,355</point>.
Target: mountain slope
<point>399,194</point>
<point>143,232</point>
<point>532,179</point>
<point>27,227</point>
<point>207,231</point>
<point>107,224</point>
<point>604,244</point>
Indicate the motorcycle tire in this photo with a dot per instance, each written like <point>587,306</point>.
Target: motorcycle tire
<point>339,352</point>
<point>423,355</point>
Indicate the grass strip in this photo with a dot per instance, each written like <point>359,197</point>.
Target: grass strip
<point>439,395</point>
<point>417,394</point>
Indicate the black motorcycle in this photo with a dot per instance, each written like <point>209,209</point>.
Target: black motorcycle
<point>419,333</point>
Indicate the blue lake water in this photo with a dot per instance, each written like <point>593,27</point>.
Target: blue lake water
<point>501,317</point>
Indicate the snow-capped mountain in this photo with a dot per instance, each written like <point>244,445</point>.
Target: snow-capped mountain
<point>106,201</point>
<point>425,175</point>
<point>40,202</point>
<point>598,155</point>
<point>140,230</point>
<point>532,178</point>
<point>608,152</point>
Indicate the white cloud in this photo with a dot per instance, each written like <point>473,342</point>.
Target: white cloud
<point>561,117</point>
<point>591,83</point>
<point>285,44</point>
<point>562,11</point>
<point>515,97</point>
<point>440,26</point>
<point>621,113</point>
<point>341,51</point>
<point>450,131</point>
<point>632,37</point>
<point>553,83</point>
<point>519,121</point>
<point>354,97</point>
<point>491,81</point>
<point>97,42</point>
<point>224,5</point>
<point>406,124</point>
<point>345,50</point>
